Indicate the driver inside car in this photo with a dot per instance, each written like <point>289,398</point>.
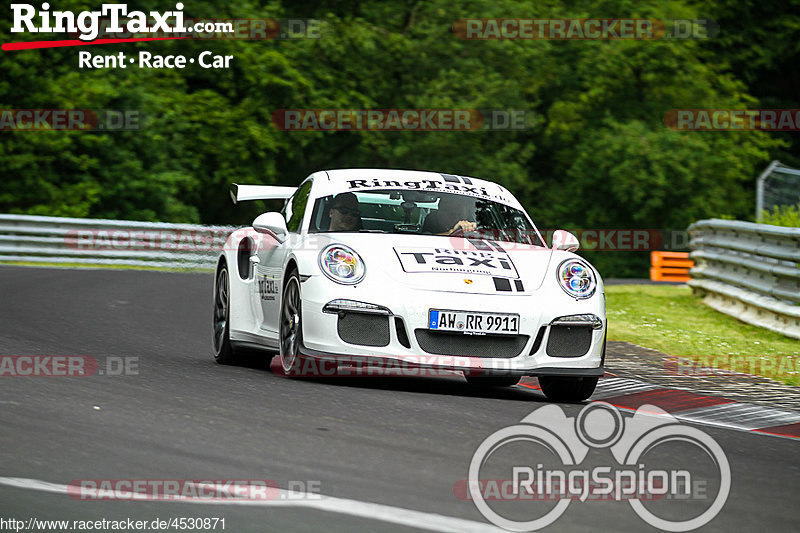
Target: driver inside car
<point>450,217</point>
<point>344,213</point>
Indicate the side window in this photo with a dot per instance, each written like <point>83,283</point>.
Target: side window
<point>296,207</point>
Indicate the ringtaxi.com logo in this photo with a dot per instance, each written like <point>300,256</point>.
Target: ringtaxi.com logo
<point>88,23</point>
<point>234,29</point>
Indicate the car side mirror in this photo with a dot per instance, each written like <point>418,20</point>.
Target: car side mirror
<point>564,240</point>
<point>271,223</point>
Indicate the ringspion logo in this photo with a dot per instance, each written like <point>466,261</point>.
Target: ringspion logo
<point>641,470</point>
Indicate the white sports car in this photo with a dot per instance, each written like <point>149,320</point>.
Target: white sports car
<point>415,268</point>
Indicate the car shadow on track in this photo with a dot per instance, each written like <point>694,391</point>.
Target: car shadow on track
<point>451,384</point>
<point>456,386</point>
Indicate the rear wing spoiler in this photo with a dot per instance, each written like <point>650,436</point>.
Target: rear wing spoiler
<point>241,193</point>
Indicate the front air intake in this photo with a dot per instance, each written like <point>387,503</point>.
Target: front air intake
<point>402,336</point>
<point>363,329</point>
<point>569,341</point>
<point>442,343</point>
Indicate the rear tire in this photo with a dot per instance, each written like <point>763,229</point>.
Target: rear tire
<point>224,352</point>
<point>489,382</point>
<point>565,389</point>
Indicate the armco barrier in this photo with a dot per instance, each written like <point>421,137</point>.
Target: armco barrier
<point>670,266</point>
<point>749,271</point>
<point>86,241</point>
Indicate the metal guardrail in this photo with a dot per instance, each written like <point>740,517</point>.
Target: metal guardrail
<point>749,271</point>
<point>40,239</point>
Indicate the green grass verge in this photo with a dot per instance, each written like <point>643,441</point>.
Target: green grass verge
<point>671,319</point>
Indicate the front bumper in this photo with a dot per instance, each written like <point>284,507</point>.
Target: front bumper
<point>322,334</point>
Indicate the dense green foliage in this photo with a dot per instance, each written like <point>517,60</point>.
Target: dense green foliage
<point>782,215</point>
<point>597,154</point>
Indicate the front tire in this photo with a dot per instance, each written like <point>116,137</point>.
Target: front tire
<point>569,390</point>
<point>224,353</point>
<point>291,327</point>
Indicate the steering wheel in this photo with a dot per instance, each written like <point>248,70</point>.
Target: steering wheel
<point>461,232</point>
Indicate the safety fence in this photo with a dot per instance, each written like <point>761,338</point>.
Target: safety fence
<point>777,185</point>
<point>80,241</point>
<point>749,271</point>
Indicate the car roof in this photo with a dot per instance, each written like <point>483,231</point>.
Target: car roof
<point>328,182</point>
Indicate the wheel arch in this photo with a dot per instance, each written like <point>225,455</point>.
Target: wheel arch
<point>241,315</point>
<point>291,264</point>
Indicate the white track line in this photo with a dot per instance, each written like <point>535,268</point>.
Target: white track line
<point>372,511</point>
<point>612,387</point>
<point>736,416</point>
<point>740,416</point>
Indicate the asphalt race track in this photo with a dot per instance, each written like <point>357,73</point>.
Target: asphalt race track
<point>400,443</point>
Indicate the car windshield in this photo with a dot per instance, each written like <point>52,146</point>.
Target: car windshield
<point>422,213</point>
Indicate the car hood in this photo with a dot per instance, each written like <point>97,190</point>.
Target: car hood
<point>450,264</point>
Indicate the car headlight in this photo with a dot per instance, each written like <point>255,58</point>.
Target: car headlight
<point>342,264</point>
<point>576,278</point>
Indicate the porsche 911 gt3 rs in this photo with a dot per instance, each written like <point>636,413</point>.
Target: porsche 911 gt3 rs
<point>396,265</point>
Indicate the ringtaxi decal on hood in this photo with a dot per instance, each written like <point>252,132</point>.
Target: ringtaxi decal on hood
<point>497,264</point>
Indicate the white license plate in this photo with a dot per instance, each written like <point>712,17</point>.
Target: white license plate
<point>473,323</point>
